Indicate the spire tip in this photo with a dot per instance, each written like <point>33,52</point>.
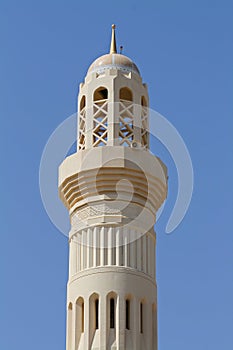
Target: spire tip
<point>113,41</point>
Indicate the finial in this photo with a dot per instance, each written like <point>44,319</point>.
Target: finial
<point>113,48</point>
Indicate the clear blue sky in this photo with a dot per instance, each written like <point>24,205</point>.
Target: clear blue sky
<point>184,51</point>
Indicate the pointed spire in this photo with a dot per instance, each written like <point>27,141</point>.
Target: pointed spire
<point>113,48</point>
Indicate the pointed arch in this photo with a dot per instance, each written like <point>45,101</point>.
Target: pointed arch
<point>126,118</point>
<point>128,311</point>
<point>144,120</point>
<point>111,309</point>
<point>142,316</point>
<point>80,314</point>
<point>82,123</point>
<point>144,101</point>
<point>93,315</point>
<point>100,116</point>
<point>94,311</point>
<point>126,94</point>
<point>79,320</point>
<point>101,93</point>
<point>82,102</point>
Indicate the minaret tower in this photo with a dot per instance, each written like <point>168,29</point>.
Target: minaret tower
<point>112,187</point>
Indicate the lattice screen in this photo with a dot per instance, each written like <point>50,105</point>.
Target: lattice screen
<point>126,132</point>
<point>82,128</point>
<point>100,123</point>
<point>144,130</point>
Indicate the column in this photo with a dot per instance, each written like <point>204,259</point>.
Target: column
<point>102,246</point>
<point>88,248</point>
<point>126,248</point>
<point>73,256</point>
<point>149,254</point>
<point>110,246</point>
<point>133,250</point>
<point>95,247</point>
<point>144,253</point>
<point>120,323</point>
<point>86,324</point>
<point>78,243</point>
<point>139,254</point>
<point>103,322</point>
<point>118,247</point>
<point>135,324</point>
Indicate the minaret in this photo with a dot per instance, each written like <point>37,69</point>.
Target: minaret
<point>112,187</point>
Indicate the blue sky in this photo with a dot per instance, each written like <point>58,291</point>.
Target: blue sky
<point>184,51</point>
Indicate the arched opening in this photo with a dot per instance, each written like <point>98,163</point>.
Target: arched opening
<point>82,324</point>
<point>94,311</point>
<point>126,133</point>
<point>79,322</point>
<point>100,94</point>
<point>82,103</point>
<point>144,119</point>
<point>130,314</point>
<point>111,307</point>
<point>126,94</point>
<point>143,101</point>
<point>141,317</point>
<point>97,314</point>
<point>100,117</point>
<point>127,314</point>
<point>112,313</point>
<point>80,315</point>
<point>93,316</point>
<point>82,122</point>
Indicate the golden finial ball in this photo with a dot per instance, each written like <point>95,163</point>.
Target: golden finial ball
<point>113,26</point>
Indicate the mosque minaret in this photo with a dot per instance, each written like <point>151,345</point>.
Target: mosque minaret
<point>112,186</point>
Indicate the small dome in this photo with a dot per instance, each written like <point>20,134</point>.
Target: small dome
<point>113,60</point>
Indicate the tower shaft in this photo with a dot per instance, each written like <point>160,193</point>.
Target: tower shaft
<point>112,187</point>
